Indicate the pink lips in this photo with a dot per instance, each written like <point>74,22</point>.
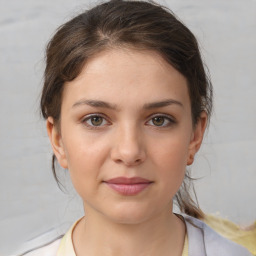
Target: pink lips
<point>128,186</point>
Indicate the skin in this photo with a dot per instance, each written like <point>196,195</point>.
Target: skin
<point>127,141</point>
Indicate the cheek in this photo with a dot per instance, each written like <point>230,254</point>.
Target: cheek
<point>173,167</point>
<point>171,152</point>
<point>171,159</point>
<point>84,157</point>
<point>84,150</point>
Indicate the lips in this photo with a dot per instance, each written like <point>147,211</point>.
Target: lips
<point>128,186</point>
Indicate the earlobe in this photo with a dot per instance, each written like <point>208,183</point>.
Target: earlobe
<point>197,137</point>
<point>190,159</point>
<point>56,142</point>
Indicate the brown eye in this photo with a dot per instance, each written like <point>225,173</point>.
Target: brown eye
<point>161,121</point>
<point>96,120</point>
<point>158,120</point>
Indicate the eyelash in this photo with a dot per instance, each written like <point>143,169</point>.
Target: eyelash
<point>89,118</point>
<point>170,121</point>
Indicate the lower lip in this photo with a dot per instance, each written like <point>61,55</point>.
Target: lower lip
<point>128,189</point>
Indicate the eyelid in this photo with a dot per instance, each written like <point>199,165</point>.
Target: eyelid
<point>170,118</point>
<point>87,117</point>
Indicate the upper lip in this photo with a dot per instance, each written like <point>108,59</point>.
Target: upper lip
<point>125,180</point>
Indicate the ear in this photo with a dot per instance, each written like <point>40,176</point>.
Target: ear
<point>197,137</point>
<point>56,142</point>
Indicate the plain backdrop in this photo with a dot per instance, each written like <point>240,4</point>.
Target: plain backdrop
<point>30,201</point>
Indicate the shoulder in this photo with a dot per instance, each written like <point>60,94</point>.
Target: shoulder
<point>49,249</point>
<point>51,243</point>
<point>213,243</point>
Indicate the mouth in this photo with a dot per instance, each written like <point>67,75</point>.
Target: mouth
<point>128,186</point>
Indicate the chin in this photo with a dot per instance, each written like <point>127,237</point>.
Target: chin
<point>130,214</point>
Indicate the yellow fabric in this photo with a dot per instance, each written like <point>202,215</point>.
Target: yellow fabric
<point>185,248</point>
<point>226,228</point>
<point>66,247</point>
<point>244,237</point>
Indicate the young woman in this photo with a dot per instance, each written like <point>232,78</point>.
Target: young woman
<point>127,100</point>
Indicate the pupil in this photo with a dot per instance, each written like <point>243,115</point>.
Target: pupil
<point>158,121</point>
<point>96,120</point>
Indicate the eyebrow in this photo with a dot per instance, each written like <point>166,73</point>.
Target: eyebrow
<point>161,104</point>
<point>103,104</point>
<point>95,103</point>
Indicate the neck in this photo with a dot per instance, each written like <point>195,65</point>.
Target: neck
<point>163,235</point>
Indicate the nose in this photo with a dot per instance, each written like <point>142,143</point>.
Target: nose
<point>128,147</point>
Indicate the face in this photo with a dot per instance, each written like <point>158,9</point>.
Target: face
<point>126,135</point>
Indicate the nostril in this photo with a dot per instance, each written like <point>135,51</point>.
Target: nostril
<point>128,162</point>
<point>128,150</point>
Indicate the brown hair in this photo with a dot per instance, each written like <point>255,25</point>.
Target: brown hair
<point>119,23</point>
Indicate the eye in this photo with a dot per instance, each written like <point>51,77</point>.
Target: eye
<point>161,121</point>
<point>94,121</point>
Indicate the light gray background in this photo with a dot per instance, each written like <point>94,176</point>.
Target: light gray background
<point>30,200</point>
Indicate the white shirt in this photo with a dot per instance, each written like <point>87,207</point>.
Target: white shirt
<point>202,241</point>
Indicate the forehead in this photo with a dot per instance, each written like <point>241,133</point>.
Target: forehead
<point>137,62</point>
<point>125,75</point>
